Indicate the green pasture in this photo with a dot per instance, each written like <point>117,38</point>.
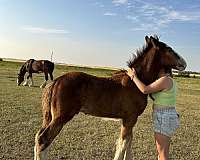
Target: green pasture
<point>86,137</point>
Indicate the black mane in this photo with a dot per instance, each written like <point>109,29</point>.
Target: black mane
<point>22,70</point>
<point>140,53</point>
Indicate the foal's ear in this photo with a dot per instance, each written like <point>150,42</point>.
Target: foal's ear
<point>147,39</point>
<point>154,42</point>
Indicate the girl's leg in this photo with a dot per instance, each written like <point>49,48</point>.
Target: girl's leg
<point>162,145</point>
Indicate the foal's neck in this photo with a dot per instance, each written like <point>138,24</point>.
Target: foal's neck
<point>149,68</point>
<point>23,70</point>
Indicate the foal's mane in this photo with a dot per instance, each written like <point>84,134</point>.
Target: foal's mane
<point>25,66</point>
<point>146,65</point>
<point>22,70</point>
<point>140,53</point>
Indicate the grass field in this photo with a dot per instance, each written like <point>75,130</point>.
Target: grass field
<point>87,137</point>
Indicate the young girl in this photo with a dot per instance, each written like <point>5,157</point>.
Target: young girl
<point>165,117</point>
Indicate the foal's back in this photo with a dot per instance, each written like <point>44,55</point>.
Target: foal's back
<point>97,96</point>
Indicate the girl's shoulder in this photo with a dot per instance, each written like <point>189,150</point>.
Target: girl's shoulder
<point>166,82</point>
<point>165,78</point>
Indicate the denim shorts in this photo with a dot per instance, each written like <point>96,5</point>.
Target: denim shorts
<point>165,121</point>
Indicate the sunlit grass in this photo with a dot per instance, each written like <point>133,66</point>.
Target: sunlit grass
<point>87,137</point>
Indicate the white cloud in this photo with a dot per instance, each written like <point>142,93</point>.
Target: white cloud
<point>179,16</point>
<point>42,30</point>
<point>98,4</point>
<point>172,16</point>
<point>109,14</point>
<point>132,18</point>
<point>119,2</point>
<point>145,27</point>
<point>149,16</point>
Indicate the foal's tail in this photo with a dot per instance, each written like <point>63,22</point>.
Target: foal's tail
<point>46,103</point>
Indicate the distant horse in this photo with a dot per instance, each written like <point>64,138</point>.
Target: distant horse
<point>113,97</point>
<point>35,66</point>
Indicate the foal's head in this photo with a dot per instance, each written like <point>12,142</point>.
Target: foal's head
<point>20,79</point>
<point>22,71</point>
<point>168,57</point>
<point>155,56</point>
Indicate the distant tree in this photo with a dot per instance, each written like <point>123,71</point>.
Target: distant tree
<point>184,74</point>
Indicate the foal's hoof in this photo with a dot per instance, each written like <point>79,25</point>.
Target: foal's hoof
<point>25,84</point>
<point>43,85</point>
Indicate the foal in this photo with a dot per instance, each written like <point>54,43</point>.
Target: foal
<point>113,97</point>
<point>35,66</point>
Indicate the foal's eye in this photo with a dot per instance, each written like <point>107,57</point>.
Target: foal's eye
<point>170,49</point>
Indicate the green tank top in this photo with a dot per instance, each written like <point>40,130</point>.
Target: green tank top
<point>166,98</point>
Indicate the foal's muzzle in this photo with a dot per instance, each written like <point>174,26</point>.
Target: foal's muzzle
<point>181,64</point>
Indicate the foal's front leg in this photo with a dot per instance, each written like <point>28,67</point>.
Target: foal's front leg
<point>26,80</point>
<point>128,153</point>
<point>123,148</point>
<point>31,78</point>
<point>45,82</point>
<point>26,83</point>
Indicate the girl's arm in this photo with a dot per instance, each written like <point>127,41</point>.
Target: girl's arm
<point>160,84</point>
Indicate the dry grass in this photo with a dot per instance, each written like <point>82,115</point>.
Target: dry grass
<point>87,137</point>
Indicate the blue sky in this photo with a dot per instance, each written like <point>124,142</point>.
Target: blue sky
<point>97,32</point>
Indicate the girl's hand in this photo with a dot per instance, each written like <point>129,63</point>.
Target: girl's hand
<point>131,73</point>
<point>134,72</point>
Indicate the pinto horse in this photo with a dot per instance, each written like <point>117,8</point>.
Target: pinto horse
<point>113,97</point>
<point>35,66</point>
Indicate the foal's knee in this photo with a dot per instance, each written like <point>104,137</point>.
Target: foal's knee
<point>41,142</point>
<point>41,147</point>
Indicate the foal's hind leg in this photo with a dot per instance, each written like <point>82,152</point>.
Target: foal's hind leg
<point>51,75</point>
<point>123,148</point>
<point>45,137</point>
